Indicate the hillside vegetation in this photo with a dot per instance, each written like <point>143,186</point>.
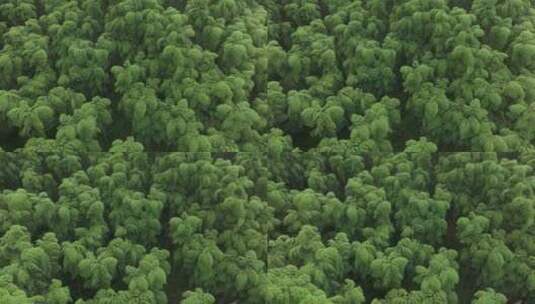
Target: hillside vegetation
<point>267,151</point>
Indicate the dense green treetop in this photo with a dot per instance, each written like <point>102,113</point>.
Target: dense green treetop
<point>267,152</point>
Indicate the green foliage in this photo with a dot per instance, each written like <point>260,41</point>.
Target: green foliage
<point>197,297</point>
<point>267,152</point>
<point>489,296</point>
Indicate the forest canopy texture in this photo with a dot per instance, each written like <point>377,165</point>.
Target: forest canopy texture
<point>267,151</point>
